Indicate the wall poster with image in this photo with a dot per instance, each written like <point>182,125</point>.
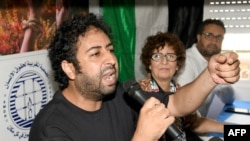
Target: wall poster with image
<point>29,25</point>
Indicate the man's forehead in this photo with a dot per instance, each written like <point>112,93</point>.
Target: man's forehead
<point>91,30</point>
<point>93,37</point>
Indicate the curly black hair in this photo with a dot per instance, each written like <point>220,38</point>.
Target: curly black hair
<point>64,44</point>
<point>157,42</point>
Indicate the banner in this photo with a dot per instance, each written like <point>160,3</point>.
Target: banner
<point>132,21</point>
<point>26,86</point>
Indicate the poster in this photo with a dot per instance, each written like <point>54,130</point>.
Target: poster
<point>26,86</point>
<point>29,25</point>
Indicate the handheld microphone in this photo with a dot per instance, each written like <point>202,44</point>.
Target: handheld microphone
<point>133,89</point>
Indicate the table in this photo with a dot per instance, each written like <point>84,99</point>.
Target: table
<point>235,118</point>
<point>232,118</point>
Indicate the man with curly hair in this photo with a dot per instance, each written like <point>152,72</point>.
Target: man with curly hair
<point>91,104</point>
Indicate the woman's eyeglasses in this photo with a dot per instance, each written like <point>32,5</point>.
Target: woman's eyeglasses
<point>169,56</point>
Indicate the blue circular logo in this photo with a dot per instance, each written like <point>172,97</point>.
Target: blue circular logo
<point>27,97</point>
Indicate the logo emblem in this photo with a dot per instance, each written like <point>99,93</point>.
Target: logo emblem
<point>28,90</point>
<point>27,96</point>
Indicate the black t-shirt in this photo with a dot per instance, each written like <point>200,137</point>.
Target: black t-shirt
<point>60,120</point>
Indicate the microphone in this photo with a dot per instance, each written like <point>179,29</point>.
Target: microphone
<point>215,139</point>
<point>133,89</point>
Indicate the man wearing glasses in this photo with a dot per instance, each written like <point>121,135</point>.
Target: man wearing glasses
<point>210,36</point>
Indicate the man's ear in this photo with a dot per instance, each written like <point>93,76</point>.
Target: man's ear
<point>69,69</point>
<point>198,37</point>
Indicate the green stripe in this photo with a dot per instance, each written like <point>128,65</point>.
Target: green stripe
<point>121,17</point>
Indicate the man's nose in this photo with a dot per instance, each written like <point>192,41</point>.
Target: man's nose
<point>111,58</point>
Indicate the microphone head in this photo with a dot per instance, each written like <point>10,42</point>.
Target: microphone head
<point>215,139</point>
<point>130,86</point>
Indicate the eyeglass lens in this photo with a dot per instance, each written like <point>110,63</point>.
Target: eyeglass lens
<point>211,36</point>
<point>160,56</point>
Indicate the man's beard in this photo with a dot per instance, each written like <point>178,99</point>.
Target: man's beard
<point>91,88</point>
<point>211,50</point>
